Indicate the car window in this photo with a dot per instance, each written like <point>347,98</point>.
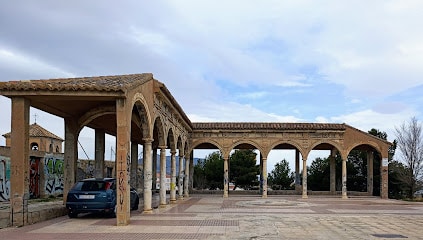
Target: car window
<point>93,186</point>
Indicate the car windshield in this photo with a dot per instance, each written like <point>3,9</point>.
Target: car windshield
<point>92,185</point>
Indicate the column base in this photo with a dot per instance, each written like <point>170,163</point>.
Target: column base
<point>163,206</point>
<point>344,197</point>
<point>180,198</point>
<point>304,197</point>
<point>148,211</point>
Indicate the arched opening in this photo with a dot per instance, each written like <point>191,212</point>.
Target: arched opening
<point>34,146</point>
<point>284,169</point>
<point>363,171</point>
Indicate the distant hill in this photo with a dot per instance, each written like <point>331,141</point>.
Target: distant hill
<point>168,162</point>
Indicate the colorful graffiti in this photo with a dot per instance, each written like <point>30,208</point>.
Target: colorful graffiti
<point>4,179</point>
<point>34,177</point>
<point>53,172</point>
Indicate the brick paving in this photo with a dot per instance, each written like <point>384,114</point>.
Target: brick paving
<point>245,217</point>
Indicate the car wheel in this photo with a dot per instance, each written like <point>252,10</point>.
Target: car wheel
<point>137,202</point>
<point>113,213</point>
<point>72,214</point>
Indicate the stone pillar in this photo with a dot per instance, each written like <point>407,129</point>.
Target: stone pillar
<point>384,176</point>
<point>225,178</point>
<point>148,175</point>
<point>186,180</point>
<point>261,175</point>
<point>332,167</point>
<point>162,176</point>
<point>264,194</point>
<point>297,172</point>
<point>100,145</point>
<point>70,156</point>
<point>19,162</point>
<point>191,172</point>
<point>122,162</point>
<point>344,178</point>
<point>181,176</point>
<point>173,176</point>
<point>370,173</point>
<point>304,195</point>
<point>134,165</point>
<point>154,185</point>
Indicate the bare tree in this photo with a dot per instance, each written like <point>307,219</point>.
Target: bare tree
<point>410,143</point>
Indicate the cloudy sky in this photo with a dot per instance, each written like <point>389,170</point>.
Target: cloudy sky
<point>354,62</point>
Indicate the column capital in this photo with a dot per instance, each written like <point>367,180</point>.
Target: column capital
<point>148,140</point>
<point>162,147</point>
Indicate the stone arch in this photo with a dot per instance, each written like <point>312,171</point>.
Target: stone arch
<point>158,133</point>
<point>249,142</point>
<point>209,141</point>
<point>363,143</point>
<point>89,116</point>
<point>328,142</point>
<point>283,142</point>
<point>170,139</point>
<point>139,102</point>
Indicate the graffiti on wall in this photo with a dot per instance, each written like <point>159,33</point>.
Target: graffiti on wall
<point>4,179</point>
<point>34,177</point>
<point>53,172</point>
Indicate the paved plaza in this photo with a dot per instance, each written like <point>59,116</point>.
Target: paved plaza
<point>245,217</point>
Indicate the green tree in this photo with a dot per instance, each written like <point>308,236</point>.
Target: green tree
<point>243,168</point>
<point>410,143</point>
<point>319,175</point>
<point>213,171</point>
<point>281,177</point>
<point>199,177</point>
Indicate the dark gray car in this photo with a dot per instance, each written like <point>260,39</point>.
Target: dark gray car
<point>96,195</point>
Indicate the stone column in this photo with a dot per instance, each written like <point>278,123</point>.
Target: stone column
<point>134,165</point>
<point>344,178</point>
<point>261,175</point>
<point>191,172</point>
<point>384,175</point>
<point>154,185</point>
<point>70,156</point>
<point>122,162</point>
<point>370,173</point>
<point>332,167</point>
<point>173,176</point>
<point>162,176</point>
<point>181,176</point>
<point>264,194</point>
<point>304,195</point>
<point>297,172</point>
<point>186,179</point>
<point>19,162</point>
<point>148,175</point>
<point>225,178</point>
<point>100,145</point>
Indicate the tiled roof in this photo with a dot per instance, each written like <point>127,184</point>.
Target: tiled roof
<point>36,130</point>
<point>266,126</point>
<point>102,83</point>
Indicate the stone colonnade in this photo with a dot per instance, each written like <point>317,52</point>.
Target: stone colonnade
<point>137,109</point>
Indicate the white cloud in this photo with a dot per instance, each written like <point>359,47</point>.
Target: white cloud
<point>22,63</point>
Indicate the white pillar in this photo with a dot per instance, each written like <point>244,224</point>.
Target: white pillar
<point>148,175</point>
<point>181,176</point>
<point>162,175</point>
<point>344,179</point>
<point>225,178</point>
<point>264,194</point>
<point>173,177</point>
<point>304,195</point>
<point>186,182</point>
